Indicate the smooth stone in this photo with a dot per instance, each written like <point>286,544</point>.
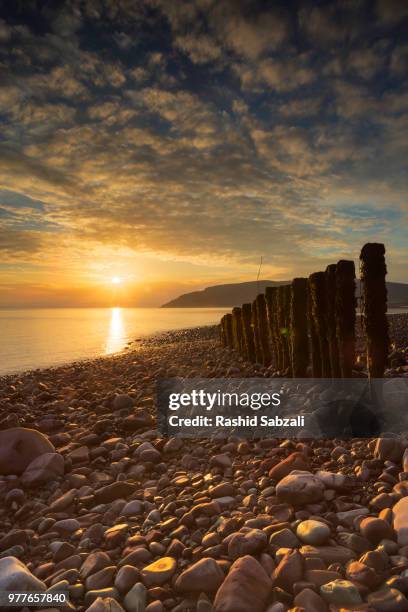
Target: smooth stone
<point>19,446</point>
<point>341,593</point>
<point>158,572</point>
<point>310,601</point>
<point>132,508</point>
<point>388,600</point>
<point>249,543</point>
<point>105,604</point>
<point>300,488</point>
<point>389,449</point>
<point>288,571</point>
<point>400,521</point>
<point>126,577</point>
<point>246,587</point>
<point>295,461</point>
<point>116,490</point>
<point>329,554</point>
<point>284,538</point>
<point>43,469</point>
<point>376,529</point>
<point>313,532</point>
<point>135,599</point>
<point>94,562</point>
<point>203,576</point>
<point>15,576</point>
<point>331,480</point>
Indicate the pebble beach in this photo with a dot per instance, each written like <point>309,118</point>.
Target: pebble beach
<point>97,504</point>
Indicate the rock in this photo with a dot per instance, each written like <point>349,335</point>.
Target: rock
<point>359,572</point>
<point>376,529</point>
<point>341,593</point>
<point>101,579</point>
<point>249,543</point>
<point>310,601</point>
<point>400,521</point>
<point>284,538</point>
<point>135,600</point>
<point>329,554</point>
<point>224,489</point>
<point>158,572</point>
<point>295,461</point>
<point>93,563</point>
<point>388,600</point>
<point>204,576</point>
<point>106,604</point>
<point>19,447</point>
<point>222,461</point>
<point>43,469</point>
<point>300,488</point>
<point>64,502</point>
<point>15,576</point>
<point>126,577</point>
<point>247,587</point>
<point>331,480</point>
<point>122,401</point>
<point>313,532</point>
<point>173,445</point>
<point>66,526</point>
<point>116,490</point>
<point>132,508</point>
<point>389,449</point>
<point>289,571</point>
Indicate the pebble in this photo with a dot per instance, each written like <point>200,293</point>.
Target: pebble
<point>203,576</point>
<point>341,593</point>
<point>15,576</point>
<point>300,488</point>
<point>135,599</point>
<point>313,532</point>
<point>246,587</point>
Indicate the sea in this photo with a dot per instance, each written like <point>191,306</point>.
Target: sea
<point>39,338</point>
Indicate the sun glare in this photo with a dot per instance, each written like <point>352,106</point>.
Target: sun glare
<point>116,280</point>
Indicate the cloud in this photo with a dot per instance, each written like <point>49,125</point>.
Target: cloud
<point>201,49</point>
<point>281,75</point>
<point>260,144</point>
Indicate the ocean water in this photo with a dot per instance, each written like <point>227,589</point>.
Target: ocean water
<point>39,338</point>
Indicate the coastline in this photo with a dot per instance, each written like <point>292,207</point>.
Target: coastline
<point>124,499</point>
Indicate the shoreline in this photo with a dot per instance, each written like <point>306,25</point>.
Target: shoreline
<point>398,334</point>
<point>114,512</point>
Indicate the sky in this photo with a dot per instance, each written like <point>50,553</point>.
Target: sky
<point>173,143</point>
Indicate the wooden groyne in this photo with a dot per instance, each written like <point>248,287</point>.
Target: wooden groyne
<point>307,328</point>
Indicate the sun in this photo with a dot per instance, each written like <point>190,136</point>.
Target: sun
<point>116,280</point>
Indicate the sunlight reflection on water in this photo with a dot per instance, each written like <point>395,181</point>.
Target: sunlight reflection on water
<point>116,332</point>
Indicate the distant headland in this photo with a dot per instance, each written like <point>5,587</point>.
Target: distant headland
<point>219,296</point>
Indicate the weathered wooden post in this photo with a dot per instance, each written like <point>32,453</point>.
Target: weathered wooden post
<point>287,294</point>
<point>331,321</point>
<point>247,332</point>
<point>270,293</point>
<point>374,307</point>
<point>282,328</point>
<point>314,335</point>
<point>263,330</point>
<point>319,307</point>
<point>236,329</point>
<point>228,329</point>
<point>298,326</point>
<point>346,315</point>
<point>223,336</point>
<point>255,330</point>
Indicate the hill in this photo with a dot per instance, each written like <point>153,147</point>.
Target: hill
<point>235,294</point>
